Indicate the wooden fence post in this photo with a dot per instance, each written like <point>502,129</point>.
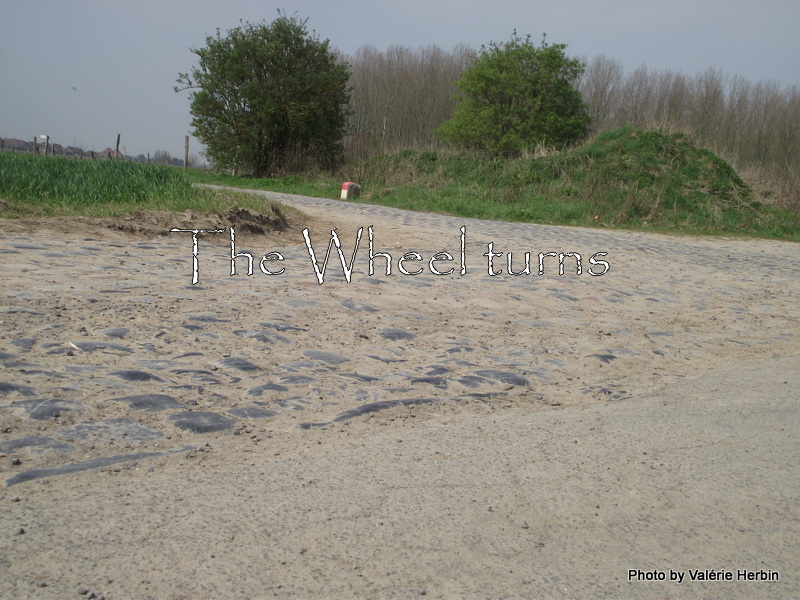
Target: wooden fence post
<point>186,154</point>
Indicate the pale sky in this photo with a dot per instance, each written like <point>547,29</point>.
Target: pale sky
<point>82,71</point>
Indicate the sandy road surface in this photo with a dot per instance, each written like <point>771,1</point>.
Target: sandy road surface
<point>455,435</point>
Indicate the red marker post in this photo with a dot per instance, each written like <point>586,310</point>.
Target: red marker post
<point>350,190</point>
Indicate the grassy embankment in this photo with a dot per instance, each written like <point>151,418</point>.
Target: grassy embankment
<point>625,179</point>
<point>628,179</point>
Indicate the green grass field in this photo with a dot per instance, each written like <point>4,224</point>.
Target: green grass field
<point>625,179</point>
<point>50,186</point>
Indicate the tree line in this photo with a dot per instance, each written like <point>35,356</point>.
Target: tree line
<point>753,125</point>
<point>271,99</point>
<point>159,157</point>
<point>401,96</point>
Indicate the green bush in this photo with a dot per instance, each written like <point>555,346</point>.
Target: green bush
<point>515,97</point>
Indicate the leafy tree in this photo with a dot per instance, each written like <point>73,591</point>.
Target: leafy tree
<point>515,96</point>
<point>270,97</point>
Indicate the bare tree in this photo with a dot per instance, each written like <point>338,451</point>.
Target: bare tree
<point>401,95</point>
<point>162,157</point>
<point>601,86</point>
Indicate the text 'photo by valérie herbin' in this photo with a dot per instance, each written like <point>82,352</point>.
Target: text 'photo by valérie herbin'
<point>399,301</point>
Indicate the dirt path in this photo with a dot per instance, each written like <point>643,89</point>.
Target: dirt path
<point>454,435</point>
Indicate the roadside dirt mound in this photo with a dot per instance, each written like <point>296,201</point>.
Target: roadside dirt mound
<point>273,221</point>
<point>257,223</point>
<point>244,221</point>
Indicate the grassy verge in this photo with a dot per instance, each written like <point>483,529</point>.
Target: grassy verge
<point>315,185</point>
<point>625,179</point>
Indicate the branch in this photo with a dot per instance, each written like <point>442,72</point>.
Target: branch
<point>186,83</point>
